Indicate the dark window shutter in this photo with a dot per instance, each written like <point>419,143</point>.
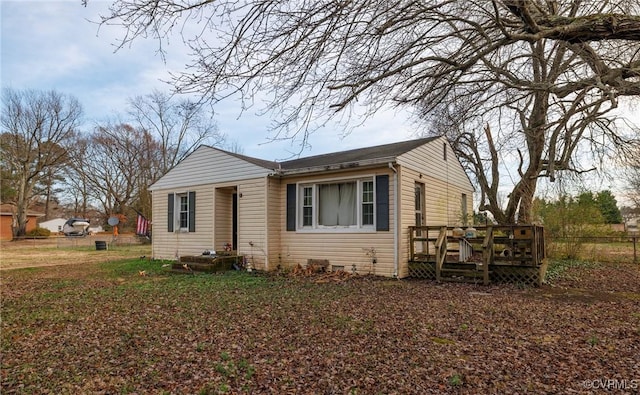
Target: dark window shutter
<point>192,211</point>
<point>291,207</point>
<point>170,212</point>
<point>382,202</point>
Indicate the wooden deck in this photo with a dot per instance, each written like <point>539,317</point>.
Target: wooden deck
<point>500,253</point>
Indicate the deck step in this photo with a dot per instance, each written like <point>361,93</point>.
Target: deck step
<point>462,272</point>
<point>461,279</point>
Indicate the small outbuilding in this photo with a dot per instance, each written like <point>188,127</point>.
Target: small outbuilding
<point>7,212</point>
<point>54,225</point>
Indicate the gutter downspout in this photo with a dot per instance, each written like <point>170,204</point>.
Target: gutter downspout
<point>396,223</point>
<point>266,223</point>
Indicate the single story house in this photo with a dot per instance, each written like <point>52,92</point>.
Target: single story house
<point>6,220</point>
<point>351,209</point>
<point>54,225</point>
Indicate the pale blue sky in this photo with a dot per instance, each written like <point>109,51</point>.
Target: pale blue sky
<point>52,45</point>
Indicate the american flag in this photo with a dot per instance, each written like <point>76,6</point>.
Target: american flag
<point>142,226</point>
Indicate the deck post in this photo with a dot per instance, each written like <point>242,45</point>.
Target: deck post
<point>441,253</point>
<point>412,248</point>
<point>487,254</point>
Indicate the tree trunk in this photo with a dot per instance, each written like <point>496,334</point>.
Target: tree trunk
<point>21,219</point>
<point>20,228</point>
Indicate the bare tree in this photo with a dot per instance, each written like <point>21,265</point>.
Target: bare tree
<point>179,125</point>
<point>173,129</point>
<point>49,187</point>
<point>76,179</point>
<point>532,82</point>
<point>117,160</point>
<point>36,127</point>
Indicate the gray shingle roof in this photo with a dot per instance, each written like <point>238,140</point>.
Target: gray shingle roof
<point>267,164</point>
<point>355,155</point>
<point>348,158</point>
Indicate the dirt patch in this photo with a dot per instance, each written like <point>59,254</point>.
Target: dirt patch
<point>594,282</point>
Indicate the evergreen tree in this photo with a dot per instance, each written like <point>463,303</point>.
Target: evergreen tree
<point>608,207</point>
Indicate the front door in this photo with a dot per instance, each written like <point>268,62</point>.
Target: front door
<point>234,220</point>
<point>419,214</point>
<point>419,203</point>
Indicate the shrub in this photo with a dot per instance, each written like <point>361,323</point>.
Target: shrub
<point>39,232</point>
<point>569,222</point>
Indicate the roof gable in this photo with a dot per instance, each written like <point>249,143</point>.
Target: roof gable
<point>209,165</point>
<point>438,160</point>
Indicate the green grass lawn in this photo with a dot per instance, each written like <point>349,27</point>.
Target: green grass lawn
<point>131,326</point>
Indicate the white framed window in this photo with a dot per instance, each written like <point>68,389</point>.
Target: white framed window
<point>307,206</point>
<point>183,211</point>
<point>339,204</point>
<point>368,203</point>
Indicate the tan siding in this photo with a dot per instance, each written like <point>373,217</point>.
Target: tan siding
<point>407,216</point>
<point>196,169</point>
<point>342,249</point>
<point>428,159</point>
<point>275,216</point>
<point>214,226</point>
<point>172,245</point>
<point>442,200</point>
<point>223,222</point>
<point>252,237</point>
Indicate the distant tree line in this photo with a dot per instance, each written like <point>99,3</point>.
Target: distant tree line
<point>571,219</point>
<point>46,156</point>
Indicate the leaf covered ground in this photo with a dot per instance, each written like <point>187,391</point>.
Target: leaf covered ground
<point>105,328</point>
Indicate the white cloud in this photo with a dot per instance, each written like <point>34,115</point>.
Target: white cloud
<point>53,45</point>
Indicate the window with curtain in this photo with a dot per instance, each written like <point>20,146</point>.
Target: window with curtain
<point>337,204</point>
<point>343,204</point>
<point>181,212</point>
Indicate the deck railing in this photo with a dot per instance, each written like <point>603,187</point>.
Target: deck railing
<point>441,251</point>
<point>508,252</point>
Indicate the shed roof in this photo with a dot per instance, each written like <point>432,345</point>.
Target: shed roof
<point>9,209</point>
